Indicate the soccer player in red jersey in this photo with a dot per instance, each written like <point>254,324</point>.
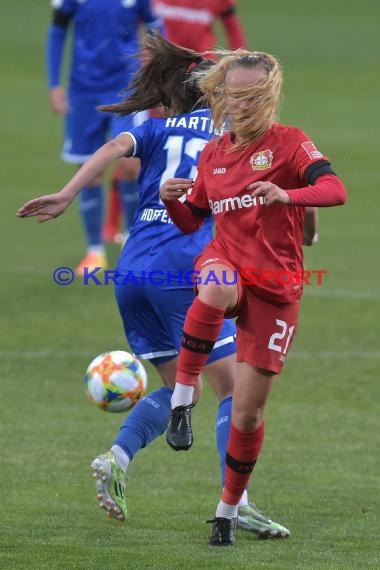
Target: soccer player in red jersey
<point>190,23</point>
<point>256,180</point>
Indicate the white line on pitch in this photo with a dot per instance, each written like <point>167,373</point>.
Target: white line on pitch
<point>297,354</point>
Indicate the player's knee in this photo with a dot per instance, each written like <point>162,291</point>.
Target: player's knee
<point>215,294</point>
<point>247,419</point>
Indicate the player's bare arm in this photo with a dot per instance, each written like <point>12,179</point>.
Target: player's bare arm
<point>53,205</point>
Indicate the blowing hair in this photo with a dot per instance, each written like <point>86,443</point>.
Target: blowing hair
<point>166,79</point>
<point>262,98</point>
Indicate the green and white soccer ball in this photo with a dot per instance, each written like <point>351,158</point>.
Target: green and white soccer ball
<point>115,381</point>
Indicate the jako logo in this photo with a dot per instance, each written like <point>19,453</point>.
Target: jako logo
<point>219,171</point>
<point>237,202</point>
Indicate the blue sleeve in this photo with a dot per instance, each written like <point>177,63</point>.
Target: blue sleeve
<point>142,135</point>
<point>54,54</point>
<point>63,12</point>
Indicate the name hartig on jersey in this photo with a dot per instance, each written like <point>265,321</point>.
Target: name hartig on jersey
<point>237,202</point>
<point>204,124</point>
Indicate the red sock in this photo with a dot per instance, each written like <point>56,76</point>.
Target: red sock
<point>114,205</point>
<point>200,331</point>
<point>242,453</point>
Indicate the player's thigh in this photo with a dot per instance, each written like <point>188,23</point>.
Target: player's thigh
<point>225,344</point>
<point>173,303</point>
<point>143,326</point>
<point>229,277</point>
<point>85,128</point>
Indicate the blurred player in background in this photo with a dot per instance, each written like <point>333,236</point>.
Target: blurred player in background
<point>256,181</point>
<point>104,46</point>
<point>153,313</point>
<point>191,24</point>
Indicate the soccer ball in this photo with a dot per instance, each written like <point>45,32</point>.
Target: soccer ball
<point>115,381</point>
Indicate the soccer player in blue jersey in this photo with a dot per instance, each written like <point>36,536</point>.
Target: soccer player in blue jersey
<point>104,44</point>
<point>153,309</point>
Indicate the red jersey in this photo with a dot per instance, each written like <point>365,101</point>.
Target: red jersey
<point>189,23</point>
<point>249,234</point>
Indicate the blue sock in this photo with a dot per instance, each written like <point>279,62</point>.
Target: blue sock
<point>147,420</point>
<point>91,209</point>
<point>130,196</point>
<point>222,432</point>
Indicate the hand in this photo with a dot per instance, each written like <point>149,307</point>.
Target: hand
<point>310,240</point>
<point>45,207</point>
<point>271,192</point>
<point>58,100</point>
<point>310,228</point>
<point>174,188</point>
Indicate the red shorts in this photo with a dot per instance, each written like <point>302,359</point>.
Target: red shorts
<point>265,329</point>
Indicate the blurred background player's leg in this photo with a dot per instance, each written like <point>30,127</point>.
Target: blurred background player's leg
<point>85,132</point>
<point>123,195</point>
<point>111,229</point>
<point>91,210</point>
<point>122,200</point>
<point>129,169</point>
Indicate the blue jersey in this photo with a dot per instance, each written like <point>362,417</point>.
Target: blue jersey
<point>105,41</point>
<point>167,148</point>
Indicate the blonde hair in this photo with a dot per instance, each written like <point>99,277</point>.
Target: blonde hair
<point>262,97</point>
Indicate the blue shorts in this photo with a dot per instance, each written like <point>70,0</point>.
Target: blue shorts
<point>87,129</point>
<point>153,318</point>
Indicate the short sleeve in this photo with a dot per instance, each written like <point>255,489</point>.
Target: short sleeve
<point>305,153</point>
<point>141,136</point>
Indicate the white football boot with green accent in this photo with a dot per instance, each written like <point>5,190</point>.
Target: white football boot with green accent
<point>110,483</point>
<point>253,520</point>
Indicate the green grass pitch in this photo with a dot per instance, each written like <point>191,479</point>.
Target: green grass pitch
<point>319,471</point>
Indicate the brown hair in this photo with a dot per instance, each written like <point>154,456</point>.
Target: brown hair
<point>263,97</point>
<point>167,79</point>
